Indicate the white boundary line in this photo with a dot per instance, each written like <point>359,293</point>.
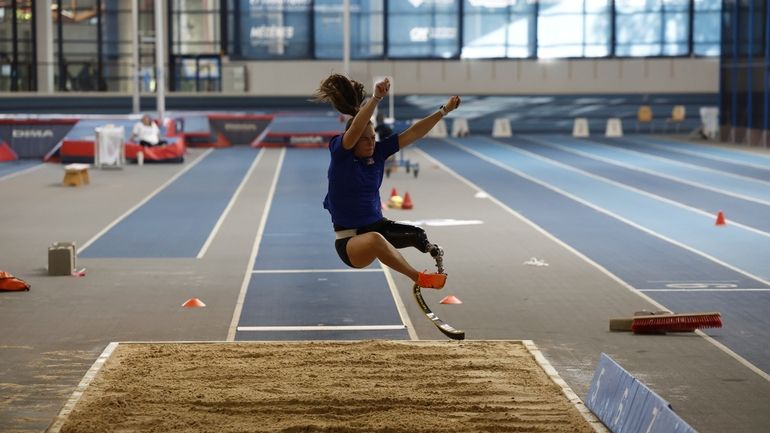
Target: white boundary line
<point>145,200</point>
<point>623,186</point>
<point>671,161</point>
<point>323,328</point>
<point>20,172</point>
<point>552,374</point>
<point>704,290</point>
<point>677,149</point>
<point>599,267</point>
<point>607,212</point>
<point>309,271</point>
<point>648,171</point>
<point>224,214</point>
<point>61,418</point>
<point>399,304</point>
<point>255,249</point>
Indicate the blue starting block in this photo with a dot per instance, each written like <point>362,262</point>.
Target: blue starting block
<point>626,405</point>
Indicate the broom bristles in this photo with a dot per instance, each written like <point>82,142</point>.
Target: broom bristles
<point>676,322</point>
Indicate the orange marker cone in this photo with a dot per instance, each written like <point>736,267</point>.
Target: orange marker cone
<point>193,303</point>
<point>407,204</point>
<point>393,192</point>
<point>450,300</point>
<point>720,219</point>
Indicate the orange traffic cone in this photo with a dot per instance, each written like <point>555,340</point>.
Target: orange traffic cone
<point>193,303</point>
<point>407,204</point>
<point>393,192</point>
<point>450,300</point>
<point>720,219</point>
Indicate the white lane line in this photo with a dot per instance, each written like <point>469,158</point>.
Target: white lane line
<point>254,249</point>
<point>61,418</point>
<point>704,290</point>
<point>648,171</point>
<point>399,304</point>
<point>20,172</point>
<point>624,186</point>
<point>309,271</point>
<point>145,200</point>
<point>675,162</point>
<point>607,212</point>
<point>599,267</point>
<point>224,214</point>
<point>322,328</point>
<point>677,149</point>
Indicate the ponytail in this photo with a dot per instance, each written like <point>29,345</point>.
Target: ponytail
<point>344,94</point>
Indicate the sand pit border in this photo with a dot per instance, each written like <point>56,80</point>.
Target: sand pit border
<point>551,372</point>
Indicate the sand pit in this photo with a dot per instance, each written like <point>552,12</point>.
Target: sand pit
<point>369,386</point>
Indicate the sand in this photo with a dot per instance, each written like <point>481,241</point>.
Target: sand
<point>368,386</point>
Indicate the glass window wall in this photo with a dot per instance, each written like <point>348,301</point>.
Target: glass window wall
<point>498,29</point>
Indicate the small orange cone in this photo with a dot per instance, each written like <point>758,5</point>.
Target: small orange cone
<point>720,219</point>
<point>450,300</point>
<point>393,192</point>
<point>193,303</point>
<point>407,204</point>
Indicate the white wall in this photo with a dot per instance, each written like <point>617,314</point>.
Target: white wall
<point>498,77</point>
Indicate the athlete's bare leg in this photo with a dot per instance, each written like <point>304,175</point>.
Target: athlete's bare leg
<point>363,249</point>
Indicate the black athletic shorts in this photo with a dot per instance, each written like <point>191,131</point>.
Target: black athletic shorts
<point>399,235</point>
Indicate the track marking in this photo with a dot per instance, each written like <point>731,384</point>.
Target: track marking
<point>145,200</point>
<point>255,249</point>
<point>607,212</point>
<point>648,171</point>
<point>704,290</point>
<point>20,172</point>
<point>229,206</point>
<point>61,418</point>
<point>322,328</point>
<point>676,149</point>
<point>686,164</point>
<point>588,260</point>
<point>399,304</point>
<point>623,186</point>
<point>308,271</point>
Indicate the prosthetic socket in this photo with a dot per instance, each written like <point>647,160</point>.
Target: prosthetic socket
<point>402,236</point>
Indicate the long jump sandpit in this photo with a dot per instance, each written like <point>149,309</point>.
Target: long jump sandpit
<point>324,386</point>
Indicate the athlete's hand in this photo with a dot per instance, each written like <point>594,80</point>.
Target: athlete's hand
<point>452,103</point>
<point>382,88</point>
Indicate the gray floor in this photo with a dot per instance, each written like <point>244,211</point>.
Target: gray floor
<point>54,332</point>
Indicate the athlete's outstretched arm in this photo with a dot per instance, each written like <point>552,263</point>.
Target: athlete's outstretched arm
<point>353,134</point>
<point>422,127</point>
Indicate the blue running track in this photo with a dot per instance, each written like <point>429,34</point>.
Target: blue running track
<point>177,221</point>
<point>11,167</point>
<point>299,289</point>
<point>658,246</point>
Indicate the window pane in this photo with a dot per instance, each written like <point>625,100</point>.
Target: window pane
<point>638,27</point>
<point>196,27</point>
<point>419,29</point>
<point>570,28</point>
<point>502,28</point>
<point>275,30</point>
<point>366,29</point>
<point>706,23</point>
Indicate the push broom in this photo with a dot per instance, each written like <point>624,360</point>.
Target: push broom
<point>660,322</point>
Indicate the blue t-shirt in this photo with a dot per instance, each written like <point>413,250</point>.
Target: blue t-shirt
<point>353,199</point>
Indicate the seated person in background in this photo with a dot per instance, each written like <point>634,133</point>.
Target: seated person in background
<point>147,133</point>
